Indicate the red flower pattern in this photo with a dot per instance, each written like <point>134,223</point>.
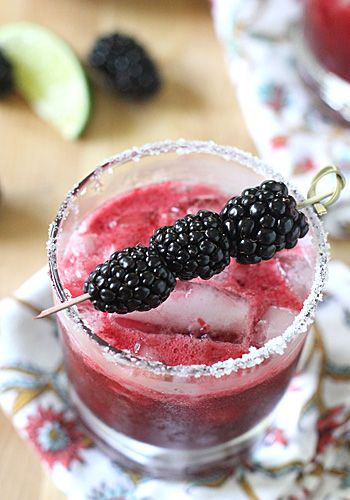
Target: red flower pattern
<point>279,141</point>
<point>56,437</point>
<point>326,425</point>
<point>275,435</point>
<point>303,166</point>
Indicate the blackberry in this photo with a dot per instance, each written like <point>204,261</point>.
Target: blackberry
<point>6,75</point>
<point>262,221</point>
<point>133,279</point>
<point>196,245</point>
<point>126,66</point>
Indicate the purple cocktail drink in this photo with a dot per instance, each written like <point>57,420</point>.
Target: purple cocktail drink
<point>183,387</point>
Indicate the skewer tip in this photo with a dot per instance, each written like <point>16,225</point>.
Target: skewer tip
<point>64,305</point>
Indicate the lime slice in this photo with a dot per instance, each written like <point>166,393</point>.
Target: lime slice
<point>48,75</point>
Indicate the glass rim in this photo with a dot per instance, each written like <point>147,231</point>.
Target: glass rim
<point>255,356</point>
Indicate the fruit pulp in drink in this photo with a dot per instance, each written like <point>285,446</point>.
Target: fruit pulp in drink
<point>201,323</point>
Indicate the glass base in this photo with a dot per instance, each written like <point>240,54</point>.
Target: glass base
<point>333,91</point>
<point>165,462</point>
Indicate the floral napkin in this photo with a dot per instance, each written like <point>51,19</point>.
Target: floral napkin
<point>304,454</point>
<point>290,133</point>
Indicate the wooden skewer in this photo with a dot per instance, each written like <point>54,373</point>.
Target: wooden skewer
<point>63,305</point>
<point>312,199</point>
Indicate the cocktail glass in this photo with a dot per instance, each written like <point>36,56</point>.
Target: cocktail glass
<point>176,421</point>
<point>323,44</point>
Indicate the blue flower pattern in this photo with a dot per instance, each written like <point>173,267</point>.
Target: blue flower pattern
<point>274,95</point>
<point>52,437</point>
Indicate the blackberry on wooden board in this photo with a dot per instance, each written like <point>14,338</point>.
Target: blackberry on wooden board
<point>6,75</point>
<point>126,66</point>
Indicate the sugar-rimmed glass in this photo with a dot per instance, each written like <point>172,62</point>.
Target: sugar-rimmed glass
<point>179,420</point>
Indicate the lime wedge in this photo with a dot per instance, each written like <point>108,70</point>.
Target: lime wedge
<point>48,75</point>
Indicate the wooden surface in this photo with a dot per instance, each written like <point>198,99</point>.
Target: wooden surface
<point>37,167</point>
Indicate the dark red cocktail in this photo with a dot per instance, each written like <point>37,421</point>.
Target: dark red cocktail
<point>184,386</point>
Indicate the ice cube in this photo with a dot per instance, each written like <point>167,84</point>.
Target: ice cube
<point>83,244</point>
<point>207,201</point>
<point>112,224</point>
<point>201,309</point>
<point>274,322</point>
<point>297,267</point>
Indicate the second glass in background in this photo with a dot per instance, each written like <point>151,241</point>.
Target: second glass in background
<point>323,45</point>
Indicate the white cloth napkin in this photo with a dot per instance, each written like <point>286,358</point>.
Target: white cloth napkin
<point>290,133</point>
<point>305,453</point>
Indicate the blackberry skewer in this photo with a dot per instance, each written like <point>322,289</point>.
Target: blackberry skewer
<point>250,228</point>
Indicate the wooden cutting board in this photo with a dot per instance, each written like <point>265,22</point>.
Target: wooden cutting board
<point>37,166</point>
